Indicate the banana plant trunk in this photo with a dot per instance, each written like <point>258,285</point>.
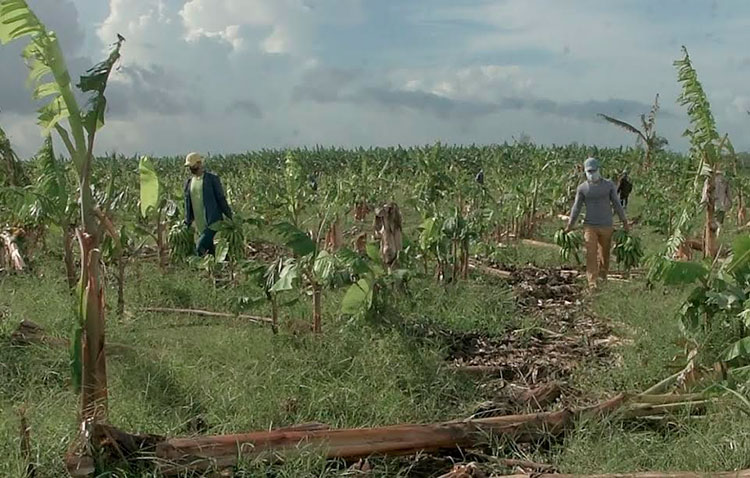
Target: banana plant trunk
<point>456,260</point>
<point>741,211</point>
<point>70,266</point>
<point>360,211</point>
<point>274,314</point>
<point>333,239</point>
<point>465,259</point>
<point>94,406</point>
<point>121,285</point>
<point>710,239</point>
<point>532,213</point>
<point>161,242</point>
<point>317,327</point>
<point>13,253</point>
<point>94,365</point>
<point>109,227</point>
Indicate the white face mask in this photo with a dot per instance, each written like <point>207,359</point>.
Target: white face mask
<point>593,176</point>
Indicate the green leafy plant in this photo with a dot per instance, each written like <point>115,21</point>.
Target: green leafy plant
<point>705,142</point>
<point>372,281</point>
<point>180,239</point>
<point>231,236</point>
<point>295,187</point>
<point>54,202</point>
<point>647,137</point>
<point>10,166</point>
<point>569,242</point>
<point>267,277</point>
<point>627,249</point>
<point>720,298</point>
<point>155,206</point>
<point>432,243</point>
<point>309,270</point>
<point>51,81</point>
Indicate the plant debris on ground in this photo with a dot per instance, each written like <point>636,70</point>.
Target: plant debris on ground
<point>568,334</point>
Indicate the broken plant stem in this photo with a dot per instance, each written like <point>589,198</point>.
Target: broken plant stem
<point>178,455</point>
<point>208,313</point>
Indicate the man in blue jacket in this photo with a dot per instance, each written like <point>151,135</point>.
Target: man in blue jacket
<point>205,203</point>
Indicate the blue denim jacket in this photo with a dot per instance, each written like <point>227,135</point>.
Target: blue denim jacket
<point>213,200</point>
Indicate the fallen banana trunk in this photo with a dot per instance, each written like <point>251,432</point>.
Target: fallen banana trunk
<point>527,465</point>
<point>645,474</point>
<point>610,274</point>
<point>474,470</point>
<point>11,251</point>
<point>208,313</point>
<point>30,333</point>
<point>532,242</point>
<point>489,270</point>
<point>177,455</point>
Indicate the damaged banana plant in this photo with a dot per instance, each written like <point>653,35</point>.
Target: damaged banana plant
<point>50,80</point>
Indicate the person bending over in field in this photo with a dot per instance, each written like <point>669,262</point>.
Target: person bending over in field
<point>205,203</point>
<point>599,196</point>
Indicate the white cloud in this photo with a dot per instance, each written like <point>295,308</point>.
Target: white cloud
<point>289,24</point>
<point>278,42</point>
<point>228,75</point>
<point>147,25</point>
<point>480,82</point>
<point>23,132</point>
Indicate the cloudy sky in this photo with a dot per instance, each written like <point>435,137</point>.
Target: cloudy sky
<point>232,75</point>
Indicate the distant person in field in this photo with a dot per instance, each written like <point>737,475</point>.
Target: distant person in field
<point>624,187</point>
<point>205,203</point>
<point>599,195</point>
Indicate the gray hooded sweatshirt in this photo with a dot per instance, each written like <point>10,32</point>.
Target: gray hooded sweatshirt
<point>599,198</point>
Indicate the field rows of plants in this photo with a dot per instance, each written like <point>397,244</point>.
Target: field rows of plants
<point>372,312</point>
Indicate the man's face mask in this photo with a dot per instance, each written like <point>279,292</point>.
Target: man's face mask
<point>195,169</point>
<point>593,175</point>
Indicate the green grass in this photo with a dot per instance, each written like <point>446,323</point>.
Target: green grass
<point>646,321</point>
<point>233,375</point>
<point>236,376</point>
<point>718,442</point>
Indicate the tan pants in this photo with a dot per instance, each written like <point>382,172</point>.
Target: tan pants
<point>598,247</point>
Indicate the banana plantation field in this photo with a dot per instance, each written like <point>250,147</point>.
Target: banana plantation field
<point>300,320</point>
<point>414,312</point>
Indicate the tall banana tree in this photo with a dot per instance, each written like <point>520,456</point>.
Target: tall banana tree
<point>50,80</point>
<point>706,145</point>
<point>646,136</point>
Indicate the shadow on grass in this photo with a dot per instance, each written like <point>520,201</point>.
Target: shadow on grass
<point>158,385</point>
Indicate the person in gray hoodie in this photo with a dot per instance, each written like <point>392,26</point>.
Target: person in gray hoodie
<point>600,196</point>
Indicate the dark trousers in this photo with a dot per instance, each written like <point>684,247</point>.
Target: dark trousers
<point>206,243</point>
